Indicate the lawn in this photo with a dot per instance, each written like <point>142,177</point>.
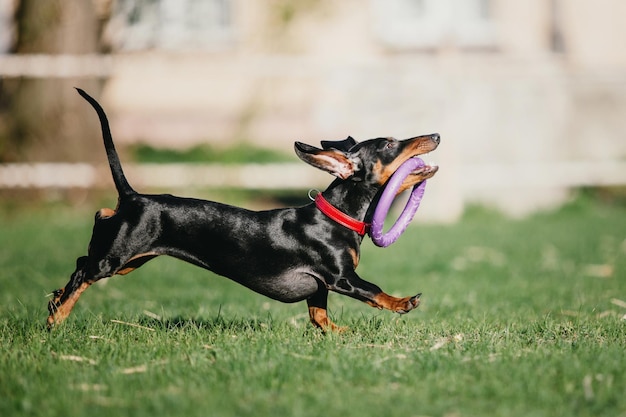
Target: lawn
<point>518,318</point>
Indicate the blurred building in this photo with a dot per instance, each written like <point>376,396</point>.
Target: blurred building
<point>529,96</point>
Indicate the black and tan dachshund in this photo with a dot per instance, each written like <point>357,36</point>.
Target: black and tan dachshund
<point>290,254</point>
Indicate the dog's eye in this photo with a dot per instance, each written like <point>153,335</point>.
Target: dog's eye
<point>390,145</point>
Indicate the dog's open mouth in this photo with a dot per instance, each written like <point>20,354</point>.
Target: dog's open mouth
<point>424,169</point>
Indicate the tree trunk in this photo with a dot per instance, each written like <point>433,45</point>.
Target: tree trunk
<point>43,119</point>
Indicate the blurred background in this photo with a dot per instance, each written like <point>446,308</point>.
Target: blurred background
<point>528,96</point>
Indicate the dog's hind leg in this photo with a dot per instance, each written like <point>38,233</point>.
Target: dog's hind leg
<point>108,255</point>
<point>64,299</point>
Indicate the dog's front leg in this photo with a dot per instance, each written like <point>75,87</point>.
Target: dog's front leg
<point>354,286</point>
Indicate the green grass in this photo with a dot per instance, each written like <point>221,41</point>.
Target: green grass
<point>519,318</point>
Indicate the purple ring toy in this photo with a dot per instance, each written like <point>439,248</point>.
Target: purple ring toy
<point>380,213</point>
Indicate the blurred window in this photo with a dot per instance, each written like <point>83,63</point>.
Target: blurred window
<point>170,24</point>
<point>430,24</point>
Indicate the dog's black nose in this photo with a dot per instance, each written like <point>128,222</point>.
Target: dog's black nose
<point>435,137</point>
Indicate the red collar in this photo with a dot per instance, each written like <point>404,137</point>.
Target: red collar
<point>338,216</point>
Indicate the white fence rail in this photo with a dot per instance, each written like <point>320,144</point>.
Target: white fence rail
<point>56,66</point>
<point>297,175</point>
<point>514,189</point>
<point>80,175</point>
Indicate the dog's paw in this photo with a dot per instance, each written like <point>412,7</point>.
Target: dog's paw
<point>53,307</point>
<point>397,305</point>
<point>410,303</point>
<point>55,302</point>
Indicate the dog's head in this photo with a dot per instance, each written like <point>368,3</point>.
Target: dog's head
<point>372,161</point>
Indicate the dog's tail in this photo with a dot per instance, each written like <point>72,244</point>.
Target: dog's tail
<point>121,183</point>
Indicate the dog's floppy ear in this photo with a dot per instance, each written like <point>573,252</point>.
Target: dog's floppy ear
<point>342,145</point>
<point>333,161</point>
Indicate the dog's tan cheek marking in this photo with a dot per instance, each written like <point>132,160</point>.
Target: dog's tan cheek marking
<point>388,172</point>
<point>384,173</point>
<point>381,173</point>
